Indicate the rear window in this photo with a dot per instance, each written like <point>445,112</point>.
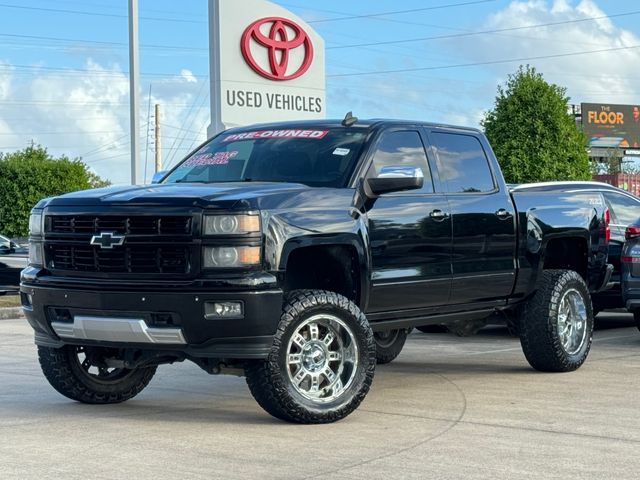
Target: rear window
<point>317,157</point>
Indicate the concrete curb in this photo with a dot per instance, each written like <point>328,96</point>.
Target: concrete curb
<point>7,313</point>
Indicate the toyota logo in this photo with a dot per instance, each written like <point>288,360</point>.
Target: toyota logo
<point>279,46</point>
<point>107,240</point>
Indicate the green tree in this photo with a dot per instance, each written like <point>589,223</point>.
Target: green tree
<point>532,132</point>
<point>28,175</point>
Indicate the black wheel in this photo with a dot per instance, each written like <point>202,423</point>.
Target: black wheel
<point>322,361</point>
<point>389,344</point>
<point>636,317</point>
<point>556,327</point>
<point>80,373</point>
<point>433,329</point>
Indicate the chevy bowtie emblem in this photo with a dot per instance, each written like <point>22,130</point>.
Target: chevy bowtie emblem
<point>107,240</point>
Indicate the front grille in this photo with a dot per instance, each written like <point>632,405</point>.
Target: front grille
<point>130,259</point>
<point>128,225</point>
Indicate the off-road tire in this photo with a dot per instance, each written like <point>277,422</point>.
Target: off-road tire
<point>63,371</point>
<point>389,347</point>
<point>538,327</point>
<point>269,381</point>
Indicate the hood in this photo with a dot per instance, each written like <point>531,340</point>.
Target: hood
<point>223,195</point>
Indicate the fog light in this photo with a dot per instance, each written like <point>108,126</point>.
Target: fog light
<point>213,310</point>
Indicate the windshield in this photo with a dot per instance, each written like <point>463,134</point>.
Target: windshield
<point>314,157</point>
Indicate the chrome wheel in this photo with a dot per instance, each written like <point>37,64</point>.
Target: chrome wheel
<point>572,321</point>
<point>322,358</point>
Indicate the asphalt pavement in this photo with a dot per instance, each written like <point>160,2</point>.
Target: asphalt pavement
<point>447,408</point>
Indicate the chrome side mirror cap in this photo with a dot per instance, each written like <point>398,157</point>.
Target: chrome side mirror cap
<point>396,178</point>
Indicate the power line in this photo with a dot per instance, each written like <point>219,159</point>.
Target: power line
<point>106,73</point>
<point>96,14</point>
<point>399,12</point>
<point>476,64</point>
<point>99,42</point>
<point>197,138</point>
<point>193,104</point>
<point>180,128</point>
<point>86,132</point>
<point>78,103</point>
<point>111,6</point>
<point>482,32</point>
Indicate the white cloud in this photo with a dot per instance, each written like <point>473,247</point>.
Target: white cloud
<point>188,76</point>
<point>609,77</point>
<point>460,95</point>
<point>87,114</point>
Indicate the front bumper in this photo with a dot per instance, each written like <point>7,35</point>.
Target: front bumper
<point>167,321</point>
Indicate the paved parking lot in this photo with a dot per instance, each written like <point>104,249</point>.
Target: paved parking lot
<point>448,407</point>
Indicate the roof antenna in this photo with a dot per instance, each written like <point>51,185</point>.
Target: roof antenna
<point>349,119</point>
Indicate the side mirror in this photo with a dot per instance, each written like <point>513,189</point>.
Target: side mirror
<point>158,176</point>
<point>396,179</point>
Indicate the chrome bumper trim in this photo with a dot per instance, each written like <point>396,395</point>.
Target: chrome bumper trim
<point>112,329</point>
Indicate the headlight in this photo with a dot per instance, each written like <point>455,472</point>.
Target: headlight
<point>231,224</point>
<point>230,257</point>
<point>36,258</point>
<point>35,224</point>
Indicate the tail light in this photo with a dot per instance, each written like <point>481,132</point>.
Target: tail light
<point>607,228</point>
<point>632,231</point>
<point>625,259</point>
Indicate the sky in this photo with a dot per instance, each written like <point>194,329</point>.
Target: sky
<point>64,64</point>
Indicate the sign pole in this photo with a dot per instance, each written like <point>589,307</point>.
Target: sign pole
<point>134,67</point>
<point>216,125</point>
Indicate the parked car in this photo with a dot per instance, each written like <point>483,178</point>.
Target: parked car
<point>624,209</point>
<point>630,270</point>
<point>300,253</point>
<point>13,259</point>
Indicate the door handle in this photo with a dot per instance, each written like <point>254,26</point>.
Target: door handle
<point>502,214</point>
<point>438,215</point>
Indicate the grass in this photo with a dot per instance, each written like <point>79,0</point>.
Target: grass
<point>9,301</point>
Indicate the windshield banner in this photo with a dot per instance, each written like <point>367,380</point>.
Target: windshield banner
<point>313,134</point>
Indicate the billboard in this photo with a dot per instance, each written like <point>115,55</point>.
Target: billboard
<point>611,126</point>
<point>266,65</point>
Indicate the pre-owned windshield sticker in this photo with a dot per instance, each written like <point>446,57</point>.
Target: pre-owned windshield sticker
<point>217,158</point>
<point>311,134</point>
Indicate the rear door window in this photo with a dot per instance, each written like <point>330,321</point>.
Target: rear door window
<point>462,163</point>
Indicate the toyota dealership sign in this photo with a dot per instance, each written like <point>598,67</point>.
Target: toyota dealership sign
<point>266,65</point>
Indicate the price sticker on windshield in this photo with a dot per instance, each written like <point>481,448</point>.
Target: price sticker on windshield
<point>217,158</point>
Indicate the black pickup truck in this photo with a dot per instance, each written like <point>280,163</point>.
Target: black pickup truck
<point>300,254</point>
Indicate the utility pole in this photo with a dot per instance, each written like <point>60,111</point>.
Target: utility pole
<point>134,68</point>
<point>158,144</point>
